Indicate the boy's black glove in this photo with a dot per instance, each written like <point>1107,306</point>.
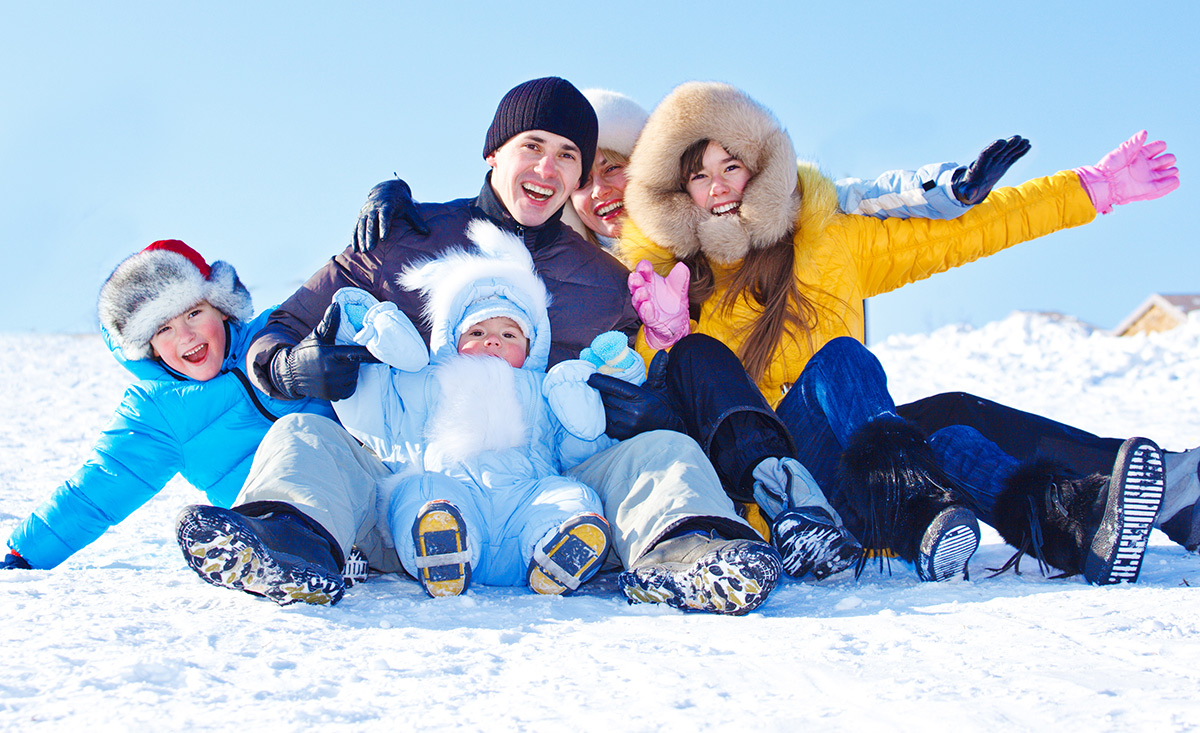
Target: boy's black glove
<point>631,409</point>
<point>318,368</point>
<point>385,202</point>
<point>15,562</point>
<point>972,185</point>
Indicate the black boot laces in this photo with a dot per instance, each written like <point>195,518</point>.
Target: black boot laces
<point>1034,538</point>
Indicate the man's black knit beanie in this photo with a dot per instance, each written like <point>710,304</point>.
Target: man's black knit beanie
<point>551,104</point>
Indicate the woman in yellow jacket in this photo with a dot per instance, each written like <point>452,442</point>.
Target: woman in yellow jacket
<point>776,272</point>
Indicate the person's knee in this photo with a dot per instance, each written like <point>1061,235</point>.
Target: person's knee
<point>955,435</point>
<point>303,423</point>
<point>945,402</point>
<point>670,442</point>
<point>844,350</point>
<point>698,348</point>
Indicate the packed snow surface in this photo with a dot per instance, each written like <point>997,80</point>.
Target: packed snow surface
<point>124,636</point>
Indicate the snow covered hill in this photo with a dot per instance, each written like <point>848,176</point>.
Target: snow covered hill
<point>124,637</point>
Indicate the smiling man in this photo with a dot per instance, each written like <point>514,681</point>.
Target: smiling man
<point>540,146</point>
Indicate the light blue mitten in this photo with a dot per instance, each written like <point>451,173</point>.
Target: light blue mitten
<point>610,354</point>
<point>381,327</point>
<point>355,303</point>
<point>576,405</point>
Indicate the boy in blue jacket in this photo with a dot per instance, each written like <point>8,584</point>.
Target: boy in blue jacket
<point>182,327</point>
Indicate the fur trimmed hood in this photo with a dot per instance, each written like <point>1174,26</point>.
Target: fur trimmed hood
<point>666,214</point>
<point>498,280</point>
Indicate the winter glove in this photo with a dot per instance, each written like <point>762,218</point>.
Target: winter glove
<point>972,185</point>
<point>661,303</point>
<point>576,405</point>
<point>1134,171</point>
<point>13,561</point>
<point>783,483</point>
<point>610,354</point>
<point>316,367</point>
<point>385,202</point>
<point>631,409</point>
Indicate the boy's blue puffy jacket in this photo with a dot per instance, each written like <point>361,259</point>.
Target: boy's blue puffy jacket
<point>166,424</point>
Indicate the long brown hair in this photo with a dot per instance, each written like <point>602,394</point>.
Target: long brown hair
<point>766,277</point>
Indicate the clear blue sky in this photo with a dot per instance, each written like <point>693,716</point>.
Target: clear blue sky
<point>253,131</point>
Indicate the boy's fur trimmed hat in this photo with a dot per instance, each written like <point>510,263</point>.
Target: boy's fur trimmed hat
<point>160,282</point>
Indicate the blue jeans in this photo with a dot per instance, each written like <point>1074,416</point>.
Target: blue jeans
<point>842,388</point>
<point>1021,435</point>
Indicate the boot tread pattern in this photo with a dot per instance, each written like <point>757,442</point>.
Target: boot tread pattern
<point>228,555</point>
<point>948,545</point>
<point>1141,486</point>
<point>732,580</point>
<point>956,548</point>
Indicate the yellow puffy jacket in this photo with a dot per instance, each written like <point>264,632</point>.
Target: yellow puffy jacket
<point>848,258</point>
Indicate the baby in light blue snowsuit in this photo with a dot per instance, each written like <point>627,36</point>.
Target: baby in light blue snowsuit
<point>475,430</point>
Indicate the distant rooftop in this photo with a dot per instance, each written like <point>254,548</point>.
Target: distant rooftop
<point>1159,312</point>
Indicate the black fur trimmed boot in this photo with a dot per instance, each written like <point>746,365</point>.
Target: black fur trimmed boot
<point>1095,525</point>
<point>895,489</point>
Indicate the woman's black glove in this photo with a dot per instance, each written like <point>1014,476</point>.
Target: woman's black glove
<point>385,202</point>
<point>972,185</point>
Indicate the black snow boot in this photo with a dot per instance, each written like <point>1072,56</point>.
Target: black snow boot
<point>277,552</point>
<point>1096,525</point>
<point>895,491</point>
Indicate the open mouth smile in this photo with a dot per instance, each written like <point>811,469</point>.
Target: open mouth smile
<point>609,209</point>
<point>536,192</point>
<point>196,355</point>
<point>726,209</point>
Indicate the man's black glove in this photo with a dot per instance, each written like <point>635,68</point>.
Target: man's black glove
<point>316,367</point>
<point>630,409</point>
<point>972,185</point>
<point>15,562</point>
<point>385,202</point>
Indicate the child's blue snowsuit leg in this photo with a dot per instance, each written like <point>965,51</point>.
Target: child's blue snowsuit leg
<point>556,500</point>
<point>412,493</point>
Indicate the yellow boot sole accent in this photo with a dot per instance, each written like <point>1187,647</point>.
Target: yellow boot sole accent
<point>441,544</point>
<point>571,557</point>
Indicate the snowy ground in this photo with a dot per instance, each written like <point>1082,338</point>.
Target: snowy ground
<point>124,637</point>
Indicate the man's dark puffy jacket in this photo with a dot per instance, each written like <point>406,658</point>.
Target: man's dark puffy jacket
<point>588,289</point>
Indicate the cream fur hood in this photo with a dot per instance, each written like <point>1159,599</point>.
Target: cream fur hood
<point>667,215</point>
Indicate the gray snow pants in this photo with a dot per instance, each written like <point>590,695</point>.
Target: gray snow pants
<point>652,485</point>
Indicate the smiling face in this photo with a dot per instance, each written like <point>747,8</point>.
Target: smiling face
<point>534,173</point>
<point>717,185</point>
<point>497,336</point>
<point>601,200</point>
<point>193,342</point>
